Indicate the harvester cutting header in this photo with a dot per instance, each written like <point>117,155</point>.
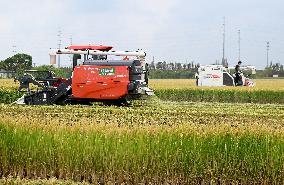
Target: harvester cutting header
<point>94,78</point>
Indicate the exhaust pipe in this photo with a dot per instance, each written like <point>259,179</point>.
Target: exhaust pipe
<point>53,59</point>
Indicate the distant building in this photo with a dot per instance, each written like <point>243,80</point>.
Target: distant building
<point>7,74</point>
<point>275,76</point>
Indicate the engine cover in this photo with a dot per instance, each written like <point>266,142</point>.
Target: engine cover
<point>100,82</point>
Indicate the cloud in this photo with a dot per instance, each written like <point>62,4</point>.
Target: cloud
<point>167,29</point>
<point>159,7</point>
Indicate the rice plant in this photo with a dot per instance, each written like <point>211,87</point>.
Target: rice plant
<point>172,143</point>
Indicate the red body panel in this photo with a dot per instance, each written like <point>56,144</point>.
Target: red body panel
<point>90,47</point>
<point>100,82</point>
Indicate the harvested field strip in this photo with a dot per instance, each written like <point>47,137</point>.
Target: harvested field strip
<point>148,114</point>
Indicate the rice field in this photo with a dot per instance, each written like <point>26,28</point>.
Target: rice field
<point>261,84</point>
<point>52,181</point>
<point>266,91</point>
<point>8,84</point>
<point>150,142</point>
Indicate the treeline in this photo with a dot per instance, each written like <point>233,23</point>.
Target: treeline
<point>171,74</point>
<point>176,71</point>
<point>64,72</point>
<point>271,70</point>
<point>164,70</point>
<point>159,70</point>
<point>172,70</point>
<point>16,62</point>
<point>174,66</point>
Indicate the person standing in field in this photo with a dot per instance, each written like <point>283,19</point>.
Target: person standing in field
<point>238,78</point>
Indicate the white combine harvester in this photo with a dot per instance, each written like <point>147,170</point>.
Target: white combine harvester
<point>218,75</point>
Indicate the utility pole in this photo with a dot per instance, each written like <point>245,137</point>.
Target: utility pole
<point>239,42</point>
<point>224,37</point>
<point>71,43</point>
<point>224,61</point>
<point>71,40</point>
<point>59,45</point>
<point>153,66</point>
<point>267,53</point>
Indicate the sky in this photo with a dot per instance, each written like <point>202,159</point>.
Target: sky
<point>170,30</point>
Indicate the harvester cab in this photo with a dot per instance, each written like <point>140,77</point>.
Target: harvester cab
<point>94,78</point>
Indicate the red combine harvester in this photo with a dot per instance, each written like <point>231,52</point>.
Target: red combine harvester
<point>94,78</point>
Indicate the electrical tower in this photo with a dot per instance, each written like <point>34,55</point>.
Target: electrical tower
<point>59,45</point>
<point>267,53</point>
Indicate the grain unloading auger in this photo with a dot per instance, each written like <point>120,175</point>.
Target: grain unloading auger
<point>95,79</point>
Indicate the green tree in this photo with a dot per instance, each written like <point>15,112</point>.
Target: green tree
<point>17,62</point>
<point>1,65</point>
<point>64,72</point>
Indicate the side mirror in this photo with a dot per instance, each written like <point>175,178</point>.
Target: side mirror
<point>76,57</point>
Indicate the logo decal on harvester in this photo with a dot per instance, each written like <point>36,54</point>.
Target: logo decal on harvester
<point>106,71</point>
<point>213,76</point>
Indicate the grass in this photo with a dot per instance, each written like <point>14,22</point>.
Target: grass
<point>173,143</point>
